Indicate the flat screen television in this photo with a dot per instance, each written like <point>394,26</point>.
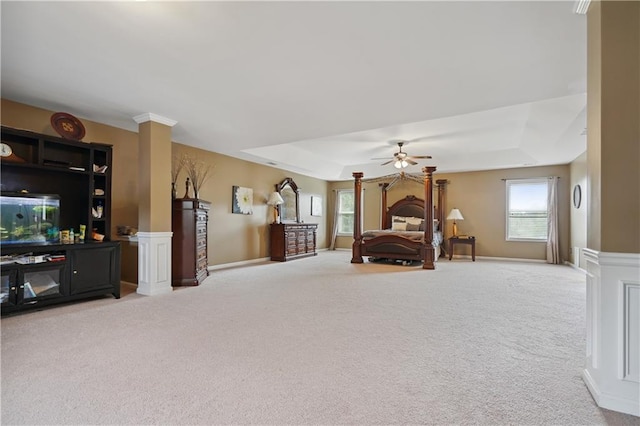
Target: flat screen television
<point>29,218</point>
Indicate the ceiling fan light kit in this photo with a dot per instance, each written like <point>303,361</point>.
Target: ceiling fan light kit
<point>401,159</point>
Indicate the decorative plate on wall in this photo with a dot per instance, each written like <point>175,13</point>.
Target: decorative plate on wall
<point>67,126</point>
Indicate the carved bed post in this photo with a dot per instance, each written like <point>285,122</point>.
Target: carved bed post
<point>440,212</point>
<point>383,223</point>
<point>429,251</point>
<point>356,256</point>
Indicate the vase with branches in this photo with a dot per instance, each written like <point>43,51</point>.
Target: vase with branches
<point>198,171</point>
<point>176,167</point>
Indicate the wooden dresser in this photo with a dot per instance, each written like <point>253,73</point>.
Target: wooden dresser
<point>293,240</point>
<point>189,243</point>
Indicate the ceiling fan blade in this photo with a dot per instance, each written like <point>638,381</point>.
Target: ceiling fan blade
<point>410,161</point>
<point>421,156</point>
<point>386,162</point>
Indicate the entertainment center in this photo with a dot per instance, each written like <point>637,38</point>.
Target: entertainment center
<point>51,186</point>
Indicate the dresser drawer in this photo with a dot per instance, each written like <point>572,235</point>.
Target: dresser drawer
<point>201,275</point>
<point>200,243</point>
<point>201,228</point>
<point>292,241</point>
<point>202,264</point>
<point>202,253</point>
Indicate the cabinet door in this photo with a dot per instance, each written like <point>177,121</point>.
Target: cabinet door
<point>94,269</point>
<point>41,281</point>
<point>8,287</point>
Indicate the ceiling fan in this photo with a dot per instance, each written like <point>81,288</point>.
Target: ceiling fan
<point>401,159</point>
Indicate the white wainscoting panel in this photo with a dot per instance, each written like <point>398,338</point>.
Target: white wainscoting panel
<point>631,331</point>
<point>613,330</point>
<point>154,263</point>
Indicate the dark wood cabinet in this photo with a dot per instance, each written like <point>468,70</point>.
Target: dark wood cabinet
<point>79,174</point>
<point>293,240</point>
<point>85,263</point>
<point>189,263</point>
<point>82,270</point>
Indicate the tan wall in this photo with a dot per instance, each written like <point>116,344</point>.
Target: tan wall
<point>232,237</point>
<point>481,198</point>
<point>238,237</point>
<point>154,177</point>
<point>594,95</point>
<point>578,216</point>
<point>613,138</point>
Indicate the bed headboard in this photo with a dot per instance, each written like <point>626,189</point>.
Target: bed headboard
<point>410,206</point>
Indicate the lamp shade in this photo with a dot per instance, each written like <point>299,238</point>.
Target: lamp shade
<point>455,214</point>
<point>275,199</point>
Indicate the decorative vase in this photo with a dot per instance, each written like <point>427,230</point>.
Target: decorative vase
<point>174,192</point>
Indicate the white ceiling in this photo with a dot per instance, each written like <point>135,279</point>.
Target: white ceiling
<point>318,88</point>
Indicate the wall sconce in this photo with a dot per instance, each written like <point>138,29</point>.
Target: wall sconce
<point>275,199</point>
<point>454,215</point>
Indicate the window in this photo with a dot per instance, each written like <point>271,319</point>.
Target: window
<point>527,209</point>
<point>346,203</point>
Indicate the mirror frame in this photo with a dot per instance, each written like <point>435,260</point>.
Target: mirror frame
<point>288,182</point>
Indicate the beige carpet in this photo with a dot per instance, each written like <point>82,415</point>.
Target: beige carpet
<point>313,341</point>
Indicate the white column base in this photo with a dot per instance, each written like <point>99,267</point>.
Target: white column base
<point>612,371</point>
<point>154,263</point>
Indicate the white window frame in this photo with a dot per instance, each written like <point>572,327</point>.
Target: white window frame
<point>340,212</point>
<point>512,182</point>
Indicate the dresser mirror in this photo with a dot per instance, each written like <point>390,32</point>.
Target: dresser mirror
<point>289,210</point>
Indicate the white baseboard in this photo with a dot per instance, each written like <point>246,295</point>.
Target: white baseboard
<point>608,401</point>
<point>574,266</point>
<point>502,259</point>
<point>238,264</point>
<point>244,262</point>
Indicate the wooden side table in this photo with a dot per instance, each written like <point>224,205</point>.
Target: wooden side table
<point>467,240</point>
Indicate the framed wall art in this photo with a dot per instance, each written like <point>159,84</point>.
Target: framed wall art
<point>241,200</point>
<point>316,205</point>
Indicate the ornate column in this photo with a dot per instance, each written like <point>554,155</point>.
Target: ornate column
<point>356,256</point>
<point>383,207</point>
<point>440,183</point>
<point>429,251</point>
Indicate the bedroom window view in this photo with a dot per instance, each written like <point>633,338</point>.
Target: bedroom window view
<point>527,209</point>
<point>346,201</point>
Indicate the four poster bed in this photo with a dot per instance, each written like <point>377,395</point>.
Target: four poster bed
<point>411,229</point>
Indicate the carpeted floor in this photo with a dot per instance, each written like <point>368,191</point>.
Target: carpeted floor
<point>314,341</point>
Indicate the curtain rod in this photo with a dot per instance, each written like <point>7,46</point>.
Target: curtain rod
<point>530,178</point>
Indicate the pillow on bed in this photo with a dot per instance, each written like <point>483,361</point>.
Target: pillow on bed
<point>411,223</point>
<point>399,226</point>
<point>412,226</point>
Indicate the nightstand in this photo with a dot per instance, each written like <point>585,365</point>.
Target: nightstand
<point>463,240</point>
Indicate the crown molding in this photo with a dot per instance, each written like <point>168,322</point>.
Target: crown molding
<point>149,116</point>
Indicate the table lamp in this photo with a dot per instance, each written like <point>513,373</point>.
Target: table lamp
<point>454,215</point>
<point>275,199</point>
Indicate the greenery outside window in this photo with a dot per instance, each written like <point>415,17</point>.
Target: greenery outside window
<point>527,209</point>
